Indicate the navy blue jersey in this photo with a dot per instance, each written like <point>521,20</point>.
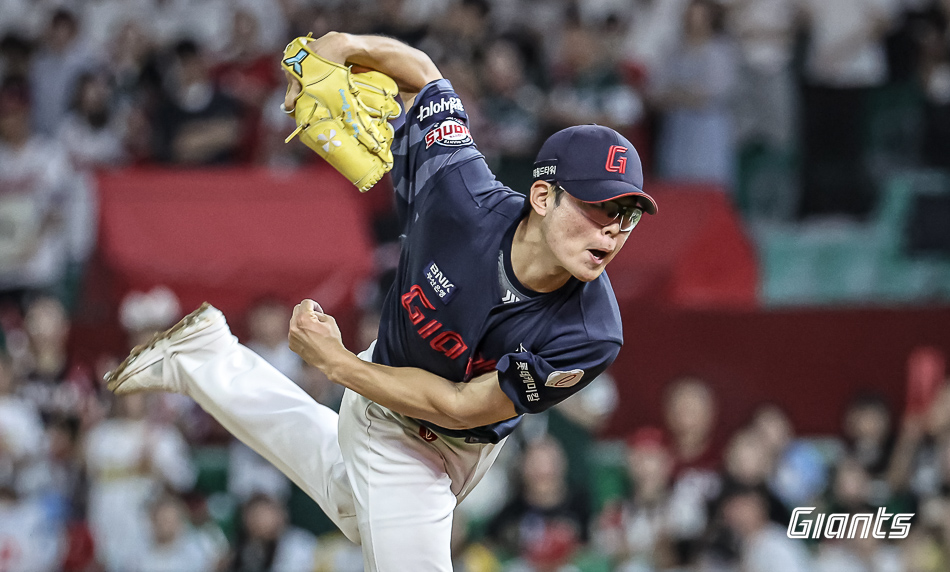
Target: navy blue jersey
<point>447,312</point>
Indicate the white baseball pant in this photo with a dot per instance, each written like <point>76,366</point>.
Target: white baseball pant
<point>385,481</point>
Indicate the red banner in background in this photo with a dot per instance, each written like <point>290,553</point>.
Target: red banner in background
<point>227,236</point>
<point>809,361</point>
<point>693,253</point>
<point>231,236</point>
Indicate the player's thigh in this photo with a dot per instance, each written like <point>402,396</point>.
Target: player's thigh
<point>404,498</point>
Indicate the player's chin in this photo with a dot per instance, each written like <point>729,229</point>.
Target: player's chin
<point>589,271</point>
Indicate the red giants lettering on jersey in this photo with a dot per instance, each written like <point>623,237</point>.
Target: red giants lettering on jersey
<point>443,341</point>
<point>478,366</point>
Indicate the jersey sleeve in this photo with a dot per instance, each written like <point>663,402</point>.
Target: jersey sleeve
<point>433,140</point>
<point>536,381</point>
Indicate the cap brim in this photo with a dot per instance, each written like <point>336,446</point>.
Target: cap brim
<point>598,191</point>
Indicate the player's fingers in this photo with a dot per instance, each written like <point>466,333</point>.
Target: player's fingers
<point>293,92</point>
<point>309,305</point>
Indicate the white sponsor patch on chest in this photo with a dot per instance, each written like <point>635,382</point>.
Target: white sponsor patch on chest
<point>564,378</point>
<point>439,282</point>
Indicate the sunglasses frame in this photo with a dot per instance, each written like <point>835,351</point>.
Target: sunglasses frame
<point>631,213</point>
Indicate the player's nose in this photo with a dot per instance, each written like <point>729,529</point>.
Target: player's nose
<point>612,230</point>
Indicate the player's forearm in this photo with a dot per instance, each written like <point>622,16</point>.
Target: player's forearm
<point>410,68</point>
<point>407,390</point>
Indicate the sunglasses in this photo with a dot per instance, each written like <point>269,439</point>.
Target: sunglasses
<point>608,212</point>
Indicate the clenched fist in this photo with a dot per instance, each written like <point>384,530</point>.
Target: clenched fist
<point>314,336</point>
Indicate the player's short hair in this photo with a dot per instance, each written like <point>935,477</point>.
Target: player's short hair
<point>558,193</point>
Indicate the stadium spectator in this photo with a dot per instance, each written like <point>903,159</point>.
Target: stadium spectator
<point>246,73</point>
<point>868,433</point>
<point>196,123</point>
<point>656,27</point>
<point>766,94</point>
<point>586,84</point>
<point>172,545</point>
<point>766,105</point>
<point>469,555</point>
<point>511,111</point>
<point>749,466</point>
<point>690,413</point>
<point>576,423</point>
<point>694,90</point>
<point>858,555</point>
<point>547,521</point>
<point>268,322</point>
<point>800,471</point>
<point>934,74</point>
<point>845,61</point>
<point>851,490</point>
<point>130,458</point>
<point>635,533</point>
<point>267,543</point>
<point>16,51</point>
<point>57,384</point>
<point>91,132</point>
<point>60,59</point>
<point>36,185</point>
<point>763,545</point>
<point>143,314</point>
<point>31,539</point>
<point>21,428</point>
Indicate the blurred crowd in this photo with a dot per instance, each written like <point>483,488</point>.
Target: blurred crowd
<point>778,102</point>
<point>794,106</point>
<point>149,482</point>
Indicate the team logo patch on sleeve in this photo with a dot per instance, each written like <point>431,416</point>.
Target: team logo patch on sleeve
<point>564,378</point>
<point>450,132</point>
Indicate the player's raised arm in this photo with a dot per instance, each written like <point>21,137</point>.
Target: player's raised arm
<point>410,68</point>
<point>342,112</point>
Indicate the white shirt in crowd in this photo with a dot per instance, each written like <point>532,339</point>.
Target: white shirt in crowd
<point>36,187</point>
<point>30,539</point>
<point>846,47</point>
<point>771,550</point>
<point>119,492</point>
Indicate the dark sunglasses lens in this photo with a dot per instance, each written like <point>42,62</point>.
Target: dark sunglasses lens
<point>600,213</point>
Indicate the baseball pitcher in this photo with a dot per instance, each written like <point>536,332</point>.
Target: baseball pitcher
<point>500,307</point>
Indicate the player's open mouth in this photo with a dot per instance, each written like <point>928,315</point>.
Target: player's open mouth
<point>599,255</point>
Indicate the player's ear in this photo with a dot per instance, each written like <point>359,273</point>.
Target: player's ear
<point>539,194</point>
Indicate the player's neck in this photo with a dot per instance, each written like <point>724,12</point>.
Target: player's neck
<point>532,261</point>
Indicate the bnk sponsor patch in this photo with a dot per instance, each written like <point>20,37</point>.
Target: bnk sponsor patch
<point>450,133</point>
<point>443,287</point>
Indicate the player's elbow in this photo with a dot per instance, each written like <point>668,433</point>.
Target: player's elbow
<point>428,72</point>
<point>423,72</point>
<point>453,414</point>
<point>461,411</point>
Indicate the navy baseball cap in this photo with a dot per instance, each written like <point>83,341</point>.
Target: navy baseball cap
<point>594,164</point>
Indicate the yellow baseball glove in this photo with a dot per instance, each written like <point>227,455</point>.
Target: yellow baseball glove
<point>341,115</point>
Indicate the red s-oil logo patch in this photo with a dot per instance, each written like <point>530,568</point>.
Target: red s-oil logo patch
<point>449,133</point>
